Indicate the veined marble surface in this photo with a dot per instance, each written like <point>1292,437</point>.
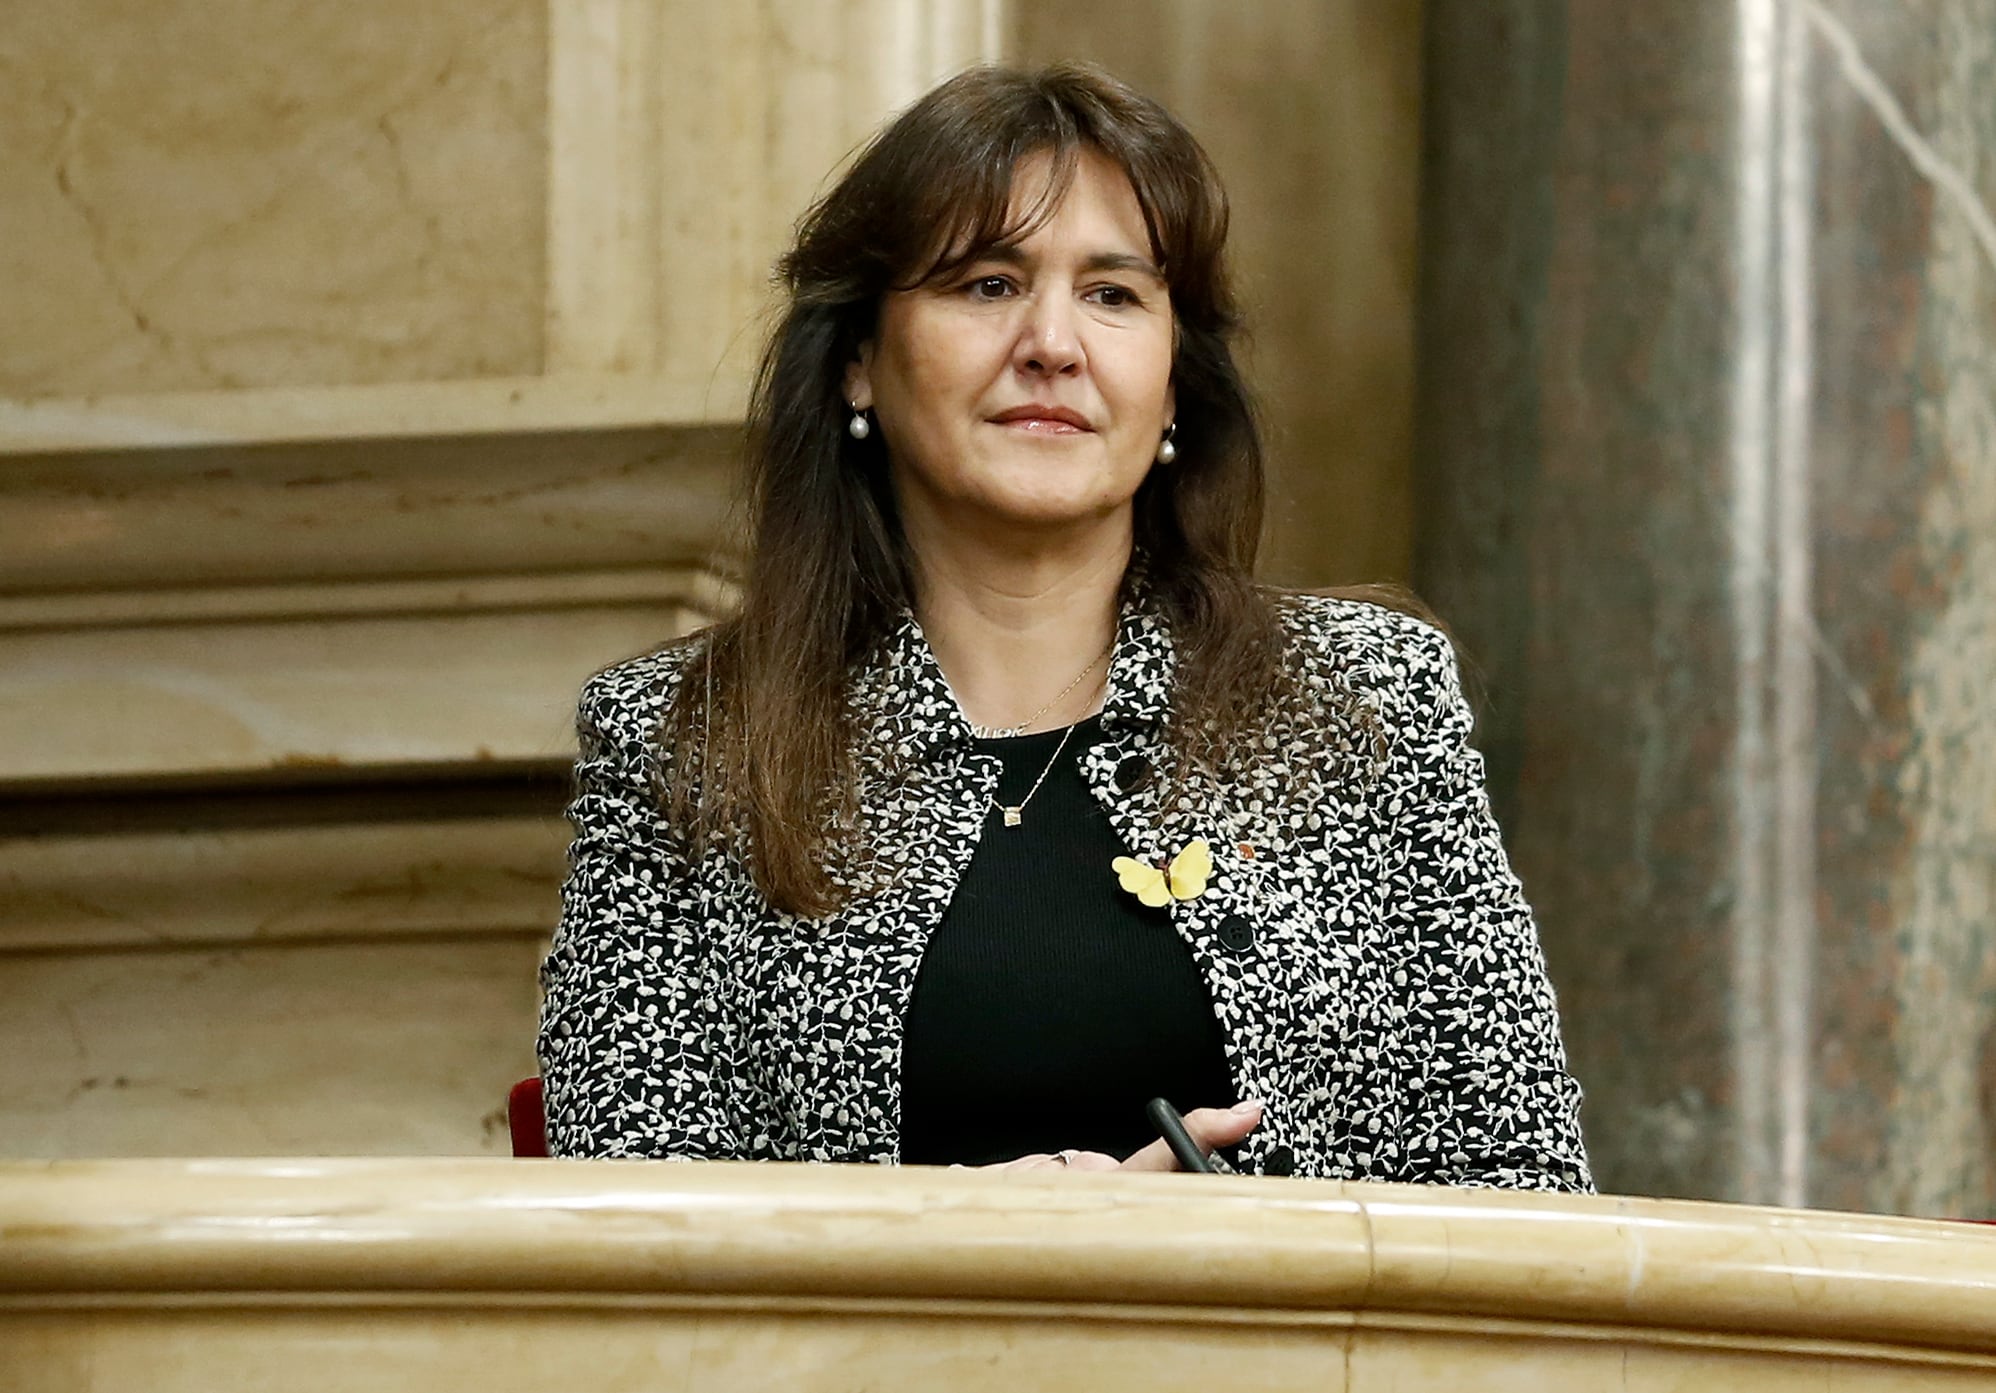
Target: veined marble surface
<point>503,1275</point>
<point>1710,496</point>
<point>247,193</point>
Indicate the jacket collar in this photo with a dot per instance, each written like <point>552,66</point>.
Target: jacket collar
<point>902,700</point>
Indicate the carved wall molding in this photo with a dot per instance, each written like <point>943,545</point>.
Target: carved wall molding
<point>288,610</point>
<point>572,401</point>
<point>701,591</point>
<point>302,698</point>
<point>187,887</point>
<point>281,514</point>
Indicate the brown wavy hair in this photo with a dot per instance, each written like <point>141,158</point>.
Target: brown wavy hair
<point>759,747</point>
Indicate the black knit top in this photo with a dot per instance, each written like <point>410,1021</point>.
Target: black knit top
<point>1051,1006</point>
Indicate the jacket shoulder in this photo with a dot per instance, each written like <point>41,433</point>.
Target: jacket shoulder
<point>1398,667</point>
<point>1376,651</point>
<point>623,702</point>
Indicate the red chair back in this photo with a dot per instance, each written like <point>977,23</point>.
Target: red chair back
<point>526,1116</point>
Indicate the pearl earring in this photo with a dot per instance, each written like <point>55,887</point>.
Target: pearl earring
<point>1166,451</point>
<point>859,427</point>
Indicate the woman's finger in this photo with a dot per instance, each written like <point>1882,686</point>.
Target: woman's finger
<point>1092,1161</point>
<point>1210,1127</point>
<point>1038,1160</point>
<point>1058,1160</point>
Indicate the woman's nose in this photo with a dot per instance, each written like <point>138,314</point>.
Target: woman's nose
<point>1049,342</point>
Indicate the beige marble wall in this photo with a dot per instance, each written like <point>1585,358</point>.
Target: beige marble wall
<point>214,196</point>
<point>301,971</point>
<point>1312,112</point>
<point>220,193</point>
<point>688,136</point>
<point>375,1047</point>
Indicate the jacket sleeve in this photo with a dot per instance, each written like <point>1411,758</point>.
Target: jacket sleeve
<point>638,1056</point>
<point>1490,1099</point>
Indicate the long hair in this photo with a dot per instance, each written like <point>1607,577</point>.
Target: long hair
<point>759,748</point>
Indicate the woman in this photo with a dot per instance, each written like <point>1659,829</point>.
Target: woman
<point>1008,800</point>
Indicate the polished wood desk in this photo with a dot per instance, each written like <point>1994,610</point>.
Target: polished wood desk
<point>503,1275</point>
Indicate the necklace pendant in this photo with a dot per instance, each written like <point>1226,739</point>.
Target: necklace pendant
<point>1014,816</point>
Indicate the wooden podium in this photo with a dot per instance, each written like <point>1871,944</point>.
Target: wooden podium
<point>496,1276</point>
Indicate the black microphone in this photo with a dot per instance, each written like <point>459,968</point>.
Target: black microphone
<point>1171,1126</point>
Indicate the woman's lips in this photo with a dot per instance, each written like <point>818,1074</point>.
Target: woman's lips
<point>1044,425</point>
<point>1042,418</point>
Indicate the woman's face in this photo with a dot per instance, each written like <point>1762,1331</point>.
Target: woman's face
<point>1033,387</point>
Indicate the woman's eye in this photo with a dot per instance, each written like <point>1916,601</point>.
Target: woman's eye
<point>989,288</point>
<point>1116,297</point>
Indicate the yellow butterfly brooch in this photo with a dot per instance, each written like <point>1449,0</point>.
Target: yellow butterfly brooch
<point>1184,879</point>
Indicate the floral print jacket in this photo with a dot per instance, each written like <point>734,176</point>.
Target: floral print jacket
<point>1369,954</point>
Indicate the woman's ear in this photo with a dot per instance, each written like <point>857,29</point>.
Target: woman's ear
<point>859,378</point>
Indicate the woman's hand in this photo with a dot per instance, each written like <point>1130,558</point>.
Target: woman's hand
<point>1210,1127</point>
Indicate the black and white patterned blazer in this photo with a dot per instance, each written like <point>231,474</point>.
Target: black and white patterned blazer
<point>1369,954</point>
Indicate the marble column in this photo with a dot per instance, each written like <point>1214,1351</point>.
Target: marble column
<point>1706,480</point>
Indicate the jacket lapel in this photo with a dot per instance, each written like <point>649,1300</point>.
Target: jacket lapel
<point>1278,932</point>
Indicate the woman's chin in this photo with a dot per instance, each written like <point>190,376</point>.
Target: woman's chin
<point>1031,494</point>
<point>1051,511</point>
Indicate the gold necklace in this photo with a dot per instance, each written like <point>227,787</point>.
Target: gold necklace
<point>1013,732</point>
<point>1016,814</point>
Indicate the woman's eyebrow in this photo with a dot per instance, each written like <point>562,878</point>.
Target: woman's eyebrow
<point>1123,261</point>
<point>1013,255</point>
